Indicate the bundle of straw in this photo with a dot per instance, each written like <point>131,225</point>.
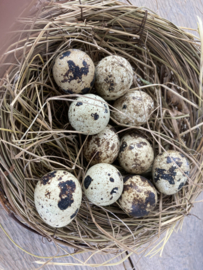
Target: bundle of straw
<point>36,137</point>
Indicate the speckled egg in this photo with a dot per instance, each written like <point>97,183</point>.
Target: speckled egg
<point>139,196</point>
<point>89,114</point>
<point>103,184</point>
<point>114,77</point>
<point>74,72</point>
<point>170,171</point>
<point>58,198</point>
<point>103,146</point>
<point>134,108</point>
<point>136,154</point>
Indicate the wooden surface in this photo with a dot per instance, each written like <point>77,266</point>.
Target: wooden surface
<point>184,251</point>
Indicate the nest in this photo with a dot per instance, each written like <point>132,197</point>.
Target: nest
<point>36,136</point>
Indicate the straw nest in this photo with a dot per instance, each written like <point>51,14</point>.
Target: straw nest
<point>36,136</point>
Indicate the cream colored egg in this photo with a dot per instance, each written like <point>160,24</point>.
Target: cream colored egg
<point>139,196</point>
<point>136,154</point>
<point>74,71</point>
<point>89,114</point>
<point>103,147</point>
<point>114,77</point>
<point>170,171</point>
<point>103,184</point>
<point>134,108</point>
<point>58,198</point>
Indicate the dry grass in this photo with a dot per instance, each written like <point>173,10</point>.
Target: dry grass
<point>36,137</point>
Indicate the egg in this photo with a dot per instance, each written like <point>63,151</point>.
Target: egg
<point>103,184</point>
<point>114,77</point>
<point>170,171</point>
<point>89,114</point>
<point>134,108</point>
<point>139,196</point>
<point>136,154</point>
<point>103,146</point>
<point>58,198</point>
<point>74,72</point>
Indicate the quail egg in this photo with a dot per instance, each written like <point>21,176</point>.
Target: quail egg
<point>136,154</point>
<point>89,114</point>
<point>134,108</point>
<point>103,184</point>
<point>74,71</point>
<point>170,171</point>
<point>58,198</point>
<point>139,196</point>
<point>114,77</point>
<point>103,147</point>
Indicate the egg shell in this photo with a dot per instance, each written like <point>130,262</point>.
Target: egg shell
<point>134,108</point>
<point>136,154</point>
<point>139,196</point>
<point>103,184</point>
<point>170,171</point>
<point>89,114</point>
<point>103,146</point>
<point>114,76</point>
<point>74,71</point>
<point>58,198</point>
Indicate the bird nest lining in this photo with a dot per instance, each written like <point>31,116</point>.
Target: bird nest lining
<point>36,136</point>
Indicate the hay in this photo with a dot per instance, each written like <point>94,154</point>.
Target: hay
<point>36,136</point>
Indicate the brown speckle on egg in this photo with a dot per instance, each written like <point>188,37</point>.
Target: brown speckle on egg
<point>136,154</point>
<point>74,71</point>
<point>47,178</point>
<point>66,195</point>
<point>47,194</point>
<point>78,104</point>
<point>101,186</point>
<point>86,114</point>
<point>58,202</point>
<point>134,108</point>
<point>139,197</point>
<point>74,214</point>
<point>87,181</point>
<point>127,177</point>
<point>103,147</point>
<point>113,79</point>
<point>123,146</point>
<point>114,190</point>
<point>170,171</point>
<point>95,116</point>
